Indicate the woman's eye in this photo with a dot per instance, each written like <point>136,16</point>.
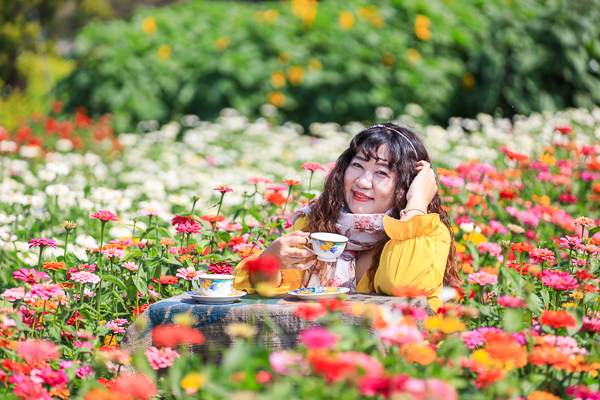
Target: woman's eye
<point>382,173</point>
<point>357,165</point>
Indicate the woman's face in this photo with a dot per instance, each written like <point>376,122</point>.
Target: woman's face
<point>368,184</point>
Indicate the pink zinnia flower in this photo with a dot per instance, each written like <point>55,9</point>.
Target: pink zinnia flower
<point>33,351</point>
<point>368,364</point>
<point>559,280</point>
<point>541,255</point>
<point>43,242</point>
<point>162,358</point>
<point>105,216</point>
<point>189,274</point>
<point>229,226</point>
<point>149,211</point>
<point>570,241</point>
<point>189,227</point>
<point>282,361</point>
<point>85,277</point>
<point>438,389</point>
<point>511,302</point>
<point>46,290</point>
<point>31,275</point>
<point>498,227</point>
<point>113,252</point>
<point>400,334</point>
<point>492,248</point>
<point>317,337</point>
<point>130,265</point>
<point>255,180</point>
<point>482,278</point>
<point>53,378</point>
<point>27,389</point>
<point>583,221</point>
<point>116,328</point>
<point>16,293</point>
<point>312,166</point>
<point>223,189</point>
<point>85,371</point>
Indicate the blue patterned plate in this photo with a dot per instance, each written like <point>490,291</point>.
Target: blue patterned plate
<point>316,293</point>
<point>230,298</point>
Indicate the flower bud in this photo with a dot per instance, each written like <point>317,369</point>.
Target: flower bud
<point>506,244</point>
<point>586,240</point>
<point>135,220</point>
<point>528,288</point>
<point>150,242</point>
<point>69,225</point>
<point>195,198</point>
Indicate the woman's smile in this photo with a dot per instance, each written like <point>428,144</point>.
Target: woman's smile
<point>360,196</point>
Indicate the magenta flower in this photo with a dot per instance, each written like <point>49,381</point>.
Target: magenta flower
<point>85,371</point>
<point>26,388</point>
<point>511,302</point>
<point>223,189</point>
<point>220,268</point>
<point>42,242</point>
<point>51,377</point>
<point>317,337</point>
<point>105,216</point>
<point>189,227</point>
<point>312,166</point>
<point>162,358</point>
<point>113,252</point>
<point>85,277</point>
<point>189,274</point>
<point>30,276</point>
<point>116,325</point>
<point>559,280</point>
<point>570,241</point>
<point>482,278</point>
<point>46,290</point>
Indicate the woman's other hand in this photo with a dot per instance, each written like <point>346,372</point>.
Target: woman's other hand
<point>423,188</point>
<point>291,257</point>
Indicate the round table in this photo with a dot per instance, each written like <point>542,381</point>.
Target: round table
<point>212,319</point>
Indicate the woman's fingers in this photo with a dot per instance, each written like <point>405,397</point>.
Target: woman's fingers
<point>299,253</point>
<point>301,266</point>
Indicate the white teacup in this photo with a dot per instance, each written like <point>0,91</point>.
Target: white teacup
<point>327,246</point>
<point>214,285</point>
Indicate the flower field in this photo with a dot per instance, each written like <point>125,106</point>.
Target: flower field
<point>95,226</point>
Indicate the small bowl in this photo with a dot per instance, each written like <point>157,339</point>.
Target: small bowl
<point>214,285</point>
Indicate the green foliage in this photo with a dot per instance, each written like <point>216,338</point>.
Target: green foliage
<point>452,58</point>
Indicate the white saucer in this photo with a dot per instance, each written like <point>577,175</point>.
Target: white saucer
<point>233,296</point>
<point>317,293</point>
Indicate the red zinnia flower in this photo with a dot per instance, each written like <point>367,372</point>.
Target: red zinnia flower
<point>520,247</point>
<point>179,219</point>
<point>541,255</point>
<point>105,216</point>
<point>174,335</point>
<point>310,311</point>
<point>166,280</point>
<point>275,198</point>
<point>312,166</point>
<point>212,217</point>
<point>269,265</point>
<point>290,182</point>
<point>558,319</point>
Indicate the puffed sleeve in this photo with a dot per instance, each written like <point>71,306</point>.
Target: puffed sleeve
<point>290,279</point>
<point>415,256</point>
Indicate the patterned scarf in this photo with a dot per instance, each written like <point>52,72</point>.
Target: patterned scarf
<point>363,232</point>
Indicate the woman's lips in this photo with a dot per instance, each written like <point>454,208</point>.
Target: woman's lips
<point>363,199</point>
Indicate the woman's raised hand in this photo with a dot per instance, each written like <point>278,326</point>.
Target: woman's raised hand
<point>423,188</point>
<point>291,257</point>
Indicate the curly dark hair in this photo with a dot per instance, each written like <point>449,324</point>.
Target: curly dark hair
<point>403,162</point>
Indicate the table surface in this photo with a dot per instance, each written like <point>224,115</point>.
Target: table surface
<point>213,318</point>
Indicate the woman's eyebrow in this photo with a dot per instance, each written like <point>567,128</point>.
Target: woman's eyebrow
<point>380,162</point>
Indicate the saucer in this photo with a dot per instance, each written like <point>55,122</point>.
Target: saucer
<point>316,293</point>
<point>230,298</point>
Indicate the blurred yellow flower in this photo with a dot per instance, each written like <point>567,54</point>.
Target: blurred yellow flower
<point>445,325</point>
<point>184,319</point>
<point>422,24</point>
<point>314,65</point>
<point>475,238</point>
<point>221,43</point>
<point>241,330</point>
<point>459,247</point>
<point>346,20</point>
<point>543,200</point>
<point>149,25</point>
<point>482,358</point>
<point>296,75</point>
<point>412,57</point>
<point>377,22</point>
<point>388,59</point>
<point>548,159</point>
<point>192,382</point>
<point>468,80</point>
<point>164,51</point>
<point>271,15</point>
<point>284,58</point>
<point>305,10</point>
<point>110,340</point>
<point>278,79</point>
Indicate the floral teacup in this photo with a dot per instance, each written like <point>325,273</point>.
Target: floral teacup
<point>327,246</point>
<point>214,285</point>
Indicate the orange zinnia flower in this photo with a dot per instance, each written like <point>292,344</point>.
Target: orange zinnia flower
<point>558,319</point>
<point>423,355</point>
<point>521,247</point>
<point>54,265</point>
<point>290,182</point>
<point>409,291</point>
<point>501,347</point>
<point>548,354</point>
<point>538,395</point>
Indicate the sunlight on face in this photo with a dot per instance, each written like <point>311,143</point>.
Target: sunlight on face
<point>369,185</point>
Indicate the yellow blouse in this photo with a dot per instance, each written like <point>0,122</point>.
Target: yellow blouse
<point>416,255</point>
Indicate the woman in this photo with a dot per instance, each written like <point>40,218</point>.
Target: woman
<point>382,195</point>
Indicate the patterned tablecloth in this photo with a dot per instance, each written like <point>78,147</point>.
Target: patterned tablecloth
<point>212,319</point>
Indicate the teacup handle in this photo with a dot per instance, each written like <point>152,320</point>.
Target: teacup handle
<point>309,249</point>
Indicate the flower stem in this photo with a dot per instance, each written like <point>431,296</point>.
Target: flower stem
<point>310,180</point>
<point>40,258</point>
<point>66,243</point>
<point>216,221</point>
<point>100,270</point>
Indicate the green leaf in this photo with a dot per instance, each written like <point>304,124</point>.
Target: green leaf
<point>593,231</point>
<point>309,196</point>
<point>114,279</point>
<point>172,261</point>
<point>578,314</point>
<point>513,319</point>
<point>534,303</point>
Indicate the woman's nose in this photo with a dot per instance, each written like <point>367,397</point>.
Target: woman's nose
<point>365,181</point>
